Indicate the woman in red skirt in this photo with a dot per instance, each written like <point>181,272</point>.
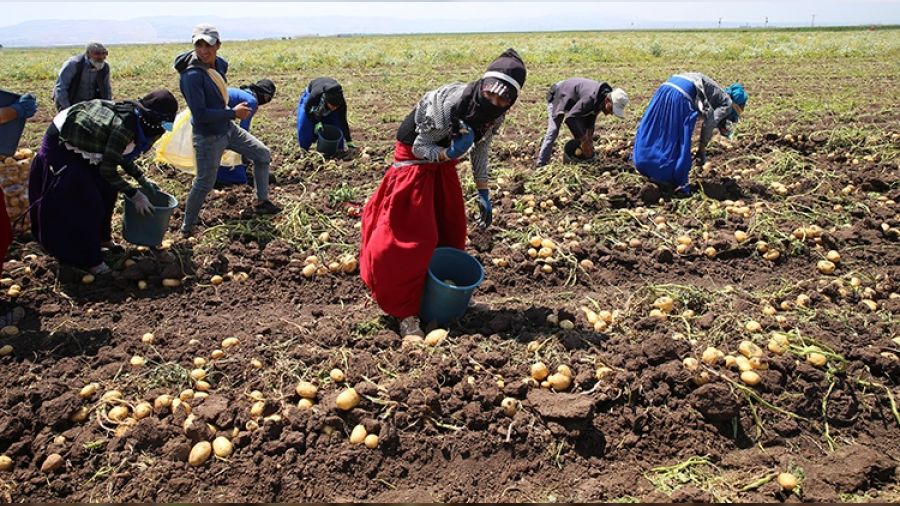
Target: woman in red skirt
<point>419,204</point>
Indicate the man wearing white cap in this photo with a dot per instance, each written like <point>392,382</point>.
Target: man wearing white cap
<point>83,77</point>
<point>204,88</point>
<point>577,102</point>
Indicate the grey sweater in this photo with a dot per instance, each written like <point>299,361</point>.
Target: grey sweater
<point>433,125</point>
<point>713,102</point>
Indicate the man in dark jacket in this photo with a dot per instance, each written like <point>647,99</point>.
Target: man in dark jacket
<point>204,88</point>
<point>577,102</point>
<point>83,77</point>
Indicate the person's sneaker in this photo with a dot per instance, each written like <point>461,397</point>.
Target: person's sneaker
<point>266,207</point>
<point>411,326</point>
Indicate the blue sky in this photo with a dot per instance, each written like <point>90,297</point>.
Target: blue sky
<point>606,14</point>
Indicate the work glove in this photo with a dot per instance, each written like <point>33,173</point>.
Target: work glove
<point>700,158</point>
<point>727,129</point>
<point>26,106</point>
<point>485,209</point>
<point>461,143</point>
<point>350,145</point>
<point>149,186</point>
<point>318,128</point>
<point>142,203</point>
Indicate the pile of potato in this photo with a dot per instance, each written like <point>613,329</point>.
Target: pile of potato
<point>14,180</point>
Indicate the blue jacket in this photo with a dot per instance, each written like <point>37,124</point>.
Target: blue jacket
<point>210,114</point>
<point>238,95</point>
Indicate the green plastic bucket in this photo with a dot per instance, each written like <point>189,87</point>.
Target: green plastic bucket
<point>148,230</point>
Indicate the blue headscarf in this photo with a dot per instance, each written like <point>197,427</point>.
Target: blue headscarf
<point>738,98</point>
<point>737,93</point>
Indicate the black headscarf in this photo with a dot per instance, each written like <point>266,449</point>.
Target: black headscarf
<point>477,111</point>
<point>264,89</point>
<point>155,108</point>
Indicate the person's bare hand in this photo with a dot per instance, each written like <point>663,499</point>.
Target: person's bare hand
<point>242,110</point>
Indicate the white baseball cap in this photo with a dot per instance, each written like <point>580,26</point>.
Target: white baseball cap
<point>619,101</point>
<point>208,33</point>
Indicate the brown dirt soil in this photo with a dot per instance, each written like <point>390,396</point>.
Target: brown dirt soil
<point>443,435</point>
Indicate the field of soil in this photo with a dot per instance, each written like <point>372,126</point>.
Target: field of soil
<point>785,259</point>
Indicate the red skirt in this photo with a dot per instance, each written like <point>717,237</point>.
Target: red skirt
<point>415,209</point>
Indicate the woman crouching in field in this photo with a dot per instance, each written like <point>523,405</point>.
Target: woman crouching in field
<point>74,181</point>
<point>662,145</point>
<point>419,204</point>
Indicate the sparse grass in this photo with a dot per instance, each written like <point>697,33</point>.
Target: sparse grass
<point>699,471</point>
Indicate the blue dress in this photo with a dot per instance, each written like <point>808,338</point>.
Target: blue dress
<point>238,173</point>
<point>662,145</point>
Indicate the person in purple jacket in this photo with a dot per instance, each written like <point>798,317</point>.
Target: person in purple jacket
<point>203,85</point>
<point>254,95</point>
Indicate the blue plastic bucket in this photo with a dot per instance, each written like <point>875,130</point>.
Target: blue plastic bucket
<point>148,230</point>
<point>443,302</point>
<point>329,140</point>
<point>11,131</point>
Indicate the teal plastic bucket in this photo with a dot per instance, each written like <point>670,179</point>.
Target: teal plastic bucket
<point>148,230</point>
<point>11,131</point>
<point>329,140</point>
<point>443,302</point>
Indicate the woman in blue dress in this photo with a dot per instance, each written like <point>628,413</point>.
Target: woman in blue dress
<point>322,103</point>
<point>662,145</point>
<point>254,95</point>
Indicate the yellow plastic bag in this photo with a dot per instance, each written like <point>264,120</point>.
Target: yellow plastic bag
<point>177,147</point>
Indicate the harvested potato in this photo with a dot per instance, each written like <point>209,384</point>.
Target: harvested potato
<point>751,378</point>
<point>787,481</point>
<point>162,402</point>
<point>118,413</point>
<point>200,453</point>
<point>371,441</point>
<point>358,435</point>
<point>435,337</point>
<point>539,371</point>
<point>337,375</point>
<point>825,267</point>
<point>559,382</point>
<point>347,400</point>
<point>306,390</point>
<point>171,283</point>
<point>6,463</point>
<point>222,447</point>
<point>88,390</point>
<point>53,462</point>
<point>142,410</point>
<point>510,406</point>
<point>817,359</point>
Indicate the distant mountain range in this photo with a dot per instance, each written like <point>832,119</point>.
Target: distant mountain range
<point>178,29</point>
